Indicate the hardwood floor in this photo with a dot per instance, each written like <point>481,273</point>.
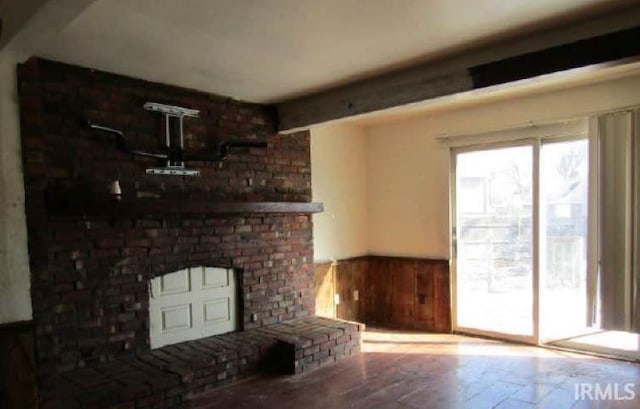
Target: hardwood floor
<point>412,370</point>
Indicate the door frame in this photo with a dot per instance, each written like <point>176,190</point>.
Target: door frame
<point>536,145</point>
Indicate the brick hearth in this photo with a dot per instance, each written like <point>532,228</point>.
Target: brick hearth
<point>173,376</point>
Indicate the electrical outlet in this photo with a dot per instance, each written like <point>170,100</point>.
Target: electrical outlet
<point>336,299</point>
<point>356,295</point>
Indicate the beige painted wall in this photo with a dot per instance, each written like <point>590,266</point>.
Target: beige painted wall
<point>15,299</point>
<point>338,175</point>
<point>408,193</point>
<point>408,171</point>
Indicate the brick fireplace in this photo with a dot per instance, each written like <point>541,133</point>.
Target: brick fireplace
<point>92,258</point>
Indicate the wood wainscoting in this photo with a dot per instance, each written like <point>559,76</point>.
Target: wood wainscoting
<point>337,281</point>
<point>399,292</point>
<point>17,366</point>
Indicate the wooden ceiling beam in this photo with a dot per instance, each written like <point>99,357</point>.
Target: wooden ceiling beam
<point>611,38</point>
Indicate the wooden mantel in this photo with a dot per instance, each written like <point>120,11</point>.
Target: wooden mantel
<point>141,207</point>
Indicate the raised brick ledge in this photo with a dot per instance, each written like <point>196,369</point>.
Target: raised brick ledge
<point>169,377</point>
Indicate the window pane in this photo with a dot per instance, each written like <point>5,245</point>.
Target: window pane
<point>494,240</point>
<point>564,187</point>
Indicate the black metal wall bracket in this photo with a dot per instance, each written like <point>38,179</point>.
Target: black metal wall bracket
<point>176,154</point>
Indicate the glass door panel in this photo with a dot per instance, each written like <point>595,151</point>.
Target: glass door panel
<point>563,250</point>
<point>494,240</point>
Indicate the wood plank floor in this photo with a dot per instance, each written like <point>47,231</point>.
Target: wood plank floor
<point>410,370</point>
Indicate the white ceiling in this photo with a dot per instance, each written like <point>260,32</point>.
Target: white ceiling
<point>271,50</point>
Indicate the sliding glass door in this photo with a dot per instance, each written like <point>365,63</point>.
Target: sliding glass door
<point>494,241</point>
<point>520,243</point>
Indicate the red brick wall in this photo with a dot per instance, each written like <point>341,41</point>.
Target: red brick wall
<point>89,274</point>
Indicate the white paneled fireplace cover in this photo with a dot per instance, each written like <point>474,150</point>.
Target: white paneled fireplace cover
<point>192,303</point>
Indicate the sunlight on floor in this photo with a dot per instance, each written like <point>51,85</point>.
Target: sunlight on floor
<point>626,341</point>
<point>621,344</point>
<point>389,341</point>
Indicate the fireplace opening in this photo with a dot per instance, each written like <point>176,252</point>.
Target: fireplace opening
<point>192,303</point>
